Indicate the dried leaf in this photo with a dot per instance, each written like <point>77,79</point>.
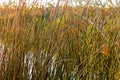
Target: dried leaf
<point>105,50</point>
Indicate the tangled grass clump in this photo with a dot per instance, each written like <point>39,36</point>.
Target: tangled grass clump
<point>63,42</point>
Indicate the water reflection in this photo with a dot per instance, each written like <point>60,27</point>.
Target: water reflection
<point>1,51</point>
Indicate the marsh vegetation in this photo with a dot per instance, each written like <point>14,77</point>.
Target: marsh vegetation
<point>60,42</point>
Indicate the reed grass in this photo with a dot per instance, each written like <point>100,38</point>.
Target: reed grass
<point>60,43</point>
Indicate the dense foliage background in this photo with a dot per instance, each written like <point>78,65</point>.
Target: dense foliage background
<point>60,42</point>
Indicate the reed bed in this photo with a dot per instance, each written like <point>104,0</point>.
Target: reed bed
<point>60,43</point>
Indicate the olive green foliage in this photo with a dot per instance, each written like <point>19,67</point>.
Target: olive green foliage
<point>60,43</point>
